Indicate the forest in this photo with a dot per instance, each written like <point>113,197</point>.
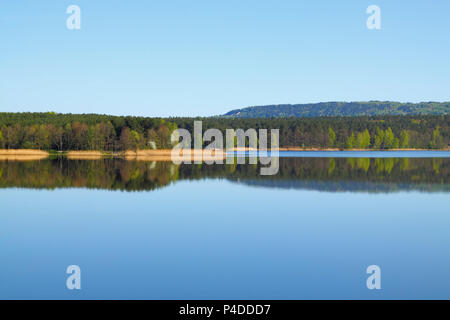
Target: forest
<point>343,109</point>
<point>62,132</point>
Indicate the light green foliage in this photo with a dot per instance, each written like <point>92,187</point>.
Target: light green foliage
<point>379,139</point>
<point>389,139</point>
<point>351,141</point>
<point>436,140</point>
<point>135,139</point>
<point>363,139</point>
<point>404,139</point>
<point>331,137</point>
<point>331,165</point>
<point>385,139</point>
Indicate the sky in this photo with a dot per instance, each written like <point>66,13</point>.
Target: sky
<point>204,58</point>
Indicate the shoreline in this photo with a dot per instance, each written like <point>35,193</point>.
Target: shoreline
<point>337,149</point>
<point>161,154</point>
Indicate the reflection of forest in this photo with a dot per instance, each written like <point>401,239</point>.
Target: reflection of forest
<point>328,174</point>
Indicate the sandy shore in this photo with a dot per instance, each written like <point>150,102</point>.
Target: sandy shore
<point>22,155</point>
<point>85,155</point>
<point>182,155</point>
<point>23,152</point>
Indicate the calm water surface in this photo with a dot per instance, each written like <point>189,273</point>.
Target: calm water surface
<point>153,230</point>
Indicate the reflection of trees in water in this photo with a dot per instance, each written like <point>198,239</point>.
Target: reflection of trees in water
<point>437,162</point>
<point>382,165</point>
<point>380,174</point>
<point>331,165</point>
<point>113,174</point>
<point>360,174</point>
<point>361,163</point>
<point>385,165</point>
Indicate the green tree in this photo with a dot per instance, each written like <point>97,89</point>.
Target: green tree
<point>331,137</point>
<point>135,139</point>
<point>44,137</point>
<point>351,141</point>
<point>379,139</point>
<point>396,143</point>
<point>404,139</point>
<point>436,140</point>
<point>363,139</point>
<point>389,139</point>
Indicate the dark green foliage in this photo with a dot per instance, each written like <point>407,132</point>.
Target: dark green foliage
<point>51,131</point>
<point>343,109</point>
<point>384,132</point>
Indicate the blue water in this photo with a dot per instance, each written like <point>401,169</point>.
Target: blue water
<point>214,239</point>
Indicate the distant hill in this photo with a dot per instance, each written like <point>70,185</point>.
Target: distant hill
<point>337,109</point>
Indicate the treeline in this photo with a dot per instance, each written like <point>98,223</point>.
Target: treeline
<point>377,132</point>
<point>342,109</point>
<point>50,131</point>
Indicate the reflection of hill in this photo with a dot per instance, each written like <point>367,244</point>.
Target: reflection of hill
<point>350,186</point>
<point>358,174</point>
<point>340,174</point>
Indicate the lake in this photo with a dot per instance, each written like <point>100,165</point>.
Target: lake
<point>156,230</point>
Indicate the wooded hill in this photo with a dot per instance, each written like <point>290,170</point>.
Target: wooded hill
<point>342,109</point>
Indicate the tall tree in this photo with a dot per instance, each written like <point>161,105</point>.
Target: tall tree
<point>389,139</point>
<point>379,139</point>
<point>135,139</point>
<point>363,139</point>
<point>125,142</point>
<point>331,137</point>
<point>436,140</point>
<point>404,139</point>
<point>351,141</point>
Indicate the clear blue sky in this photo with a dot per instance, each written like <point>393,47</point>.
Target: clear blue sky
<point>187,58</point>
